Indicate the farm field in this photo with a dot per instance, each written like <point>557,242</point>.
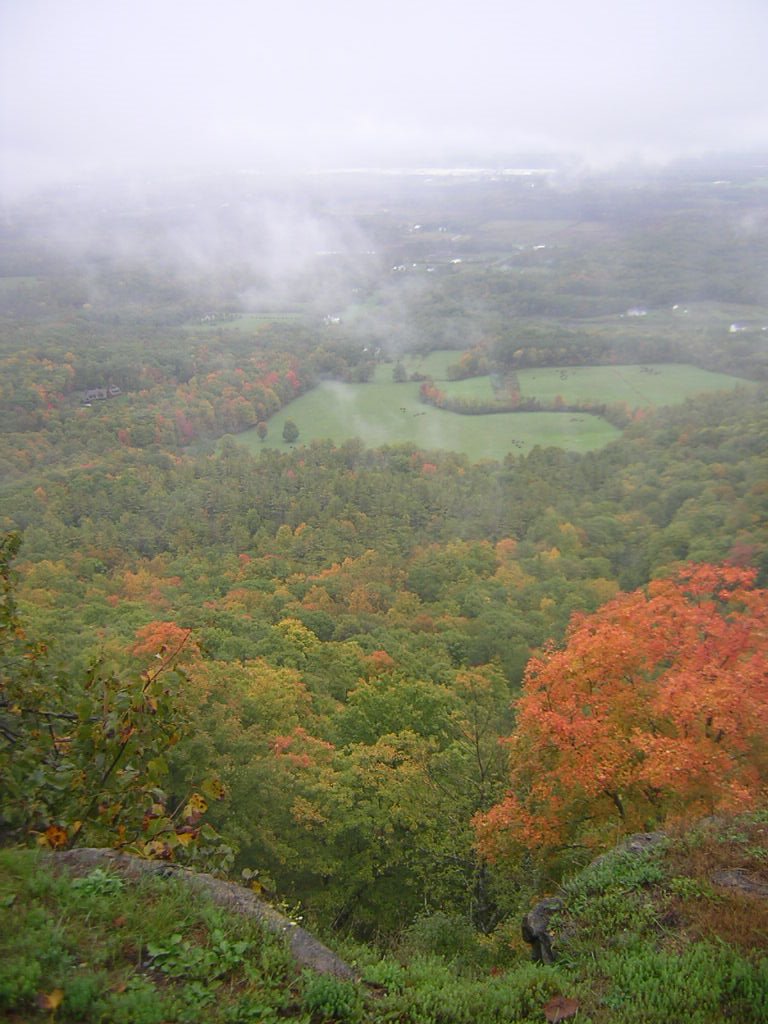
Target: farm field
<point>637,386</point>
<point>681,318</point>
<point>384,412</point>
<point>246,321</point>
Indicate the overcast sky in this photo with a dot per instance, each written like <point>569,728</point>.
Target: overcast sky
<point>123,85</point>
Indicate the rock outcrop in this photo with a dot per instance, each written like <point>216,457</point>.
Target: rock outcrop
<point>739,879</point>
<point>306,949</point>
<point>536,929</point>
<point>535,926</point>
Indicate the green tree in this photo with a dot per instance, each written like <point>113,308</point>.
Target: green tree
<point>290,432</point>
<point>83,757</point>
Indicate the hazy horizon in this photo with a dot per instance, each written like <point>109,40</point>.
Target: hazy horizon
<point>94,88</point>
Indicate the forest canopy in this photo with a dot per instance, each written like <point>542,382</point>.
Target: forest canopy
<point>321,662</point>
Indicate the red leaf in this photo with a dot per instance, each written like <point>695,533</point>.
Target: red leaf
<point>560,1008</point>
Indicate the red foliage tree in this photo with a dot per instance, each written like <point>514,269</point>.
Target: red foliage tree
<point>656,708</point>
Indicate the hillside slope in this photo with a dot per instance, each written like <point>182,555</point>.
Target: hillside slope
<point>675,932</point>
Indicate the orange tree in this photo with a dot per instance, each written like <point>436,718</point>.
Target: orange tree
<point>655,708</point>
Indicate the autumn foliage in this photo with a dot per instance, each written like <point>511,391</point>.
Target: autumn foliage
<point>657,707</point>
<point>83,758</point>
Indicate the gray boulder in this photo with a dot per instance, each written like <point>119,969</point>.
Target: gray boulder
<point>536,929</point>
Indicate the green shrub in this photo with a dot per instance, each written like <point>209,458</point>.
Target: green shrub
<point>330,999</point>
<point>622,870</point>
<point>612,896</point>
<point>435,994</point>
<point>387,973</point>
<point>98,883</point>
<point>703,984</point>
<point>440,935</point>
<point>140,1003</point>
<point>20,978</point>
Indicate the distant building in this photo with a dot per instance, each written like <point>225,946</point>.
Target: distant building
<point>95,395</point>
<point>100,394</point>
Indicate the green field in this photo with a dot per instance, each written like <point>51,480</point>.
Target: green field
<point>387,413</point>
<point>637,386</point>
<point>392,414</point>
<point>246,321</point>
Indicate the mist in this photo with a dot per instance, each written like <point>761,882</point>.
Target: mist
<point>91,89</point>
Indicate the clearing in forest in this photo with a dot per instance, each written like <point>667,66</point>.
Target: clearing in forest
<point>384,412</point>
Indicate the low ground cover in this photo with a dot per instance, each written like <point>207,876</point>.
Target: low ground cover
<point>644,938</point>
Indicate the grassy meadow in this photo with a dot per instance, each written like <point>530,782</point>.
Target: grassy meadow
<point>246,321</point>
<point>638,386</point>
<point>383,412</point>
